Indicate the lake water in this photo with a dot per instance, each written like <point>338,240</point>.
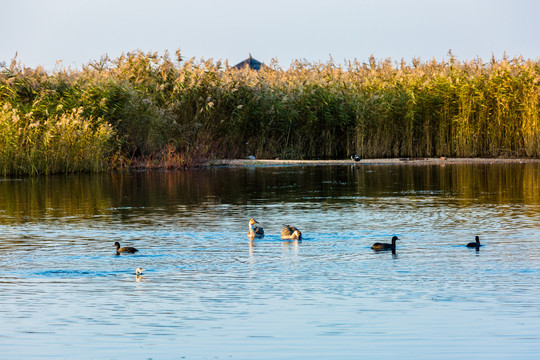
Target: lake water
<point>209,293</point>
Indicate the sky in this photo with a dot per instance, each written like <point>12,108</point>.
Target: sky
<point>72,33</point>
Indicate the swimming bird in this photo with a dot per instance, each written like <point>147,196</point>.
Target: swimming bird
<point>255,230</point>
<point>384,246</point>
<point>138,275</point>
<point>474,244</point>
<point>290,233</point>
<point>126,249</point>
<point>355,157</point>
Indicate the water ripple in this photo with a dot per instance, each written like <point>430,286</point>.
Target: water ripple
<point>66,293</point>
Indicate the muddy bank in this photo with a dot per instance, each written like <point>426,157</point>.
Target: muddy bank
<point>396,161</point>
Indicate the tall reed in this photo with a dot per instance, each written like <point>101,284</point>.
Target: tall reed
<point>59,144</point>
<point>147,106</point>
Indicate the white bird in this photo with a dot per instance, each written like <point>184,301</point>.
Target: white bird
<point>355,157</point>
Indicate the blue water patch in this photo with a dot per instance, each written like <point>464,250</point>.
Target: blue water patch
<point>60,273</point>
<point>65,294</point>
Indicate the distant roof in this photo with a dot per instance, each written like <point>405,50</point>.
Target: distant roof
<point>251,62</point>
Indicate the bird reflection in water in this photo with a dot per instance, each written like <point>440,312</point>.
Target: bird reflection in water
<point>291,245</point>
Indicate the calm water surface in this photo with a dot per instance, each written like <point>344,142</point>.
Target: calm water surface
<point>208,293</point>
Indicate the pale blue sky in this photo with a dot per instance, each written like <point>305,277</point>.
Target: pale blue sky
<point>77,31</point>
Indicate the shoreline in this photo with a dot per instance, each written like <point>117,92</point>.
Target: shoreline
<point>388,161</point>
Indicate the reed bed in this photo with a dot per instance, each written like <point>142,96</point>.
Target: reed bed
<point>147,109</point>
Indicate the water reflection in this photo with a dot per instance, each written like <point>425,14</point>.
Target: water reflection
<point>194,192</point>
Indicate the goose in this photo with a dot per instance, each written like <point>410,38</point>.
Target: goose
<point>126,249</point>
<point>290,233</point>
<point>384,246</point>
<point>255,230</point>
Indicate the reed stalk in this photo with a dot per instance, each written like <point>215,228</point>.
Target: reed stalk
<point>180,112</point>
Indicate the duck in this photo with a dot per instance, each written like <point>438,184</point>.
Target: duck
<point>138,271</point>
<point>475,244</point>
<point>355,157</point>
<point>126,249</point>
<point>384,246</point>
<point>255,230</point>
<point>290,233</point>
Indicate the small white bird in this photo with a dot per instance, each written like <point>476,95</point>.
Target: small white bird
<point>138,275</point>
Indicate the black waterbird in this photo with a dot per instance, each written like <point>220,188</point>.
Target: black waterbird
<point>384,246</point>
<point>475,244</point>
<point>125,249</point>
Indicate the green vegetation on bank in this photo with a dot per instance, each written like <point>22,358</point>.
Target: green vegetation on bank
<point>149,109</point>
